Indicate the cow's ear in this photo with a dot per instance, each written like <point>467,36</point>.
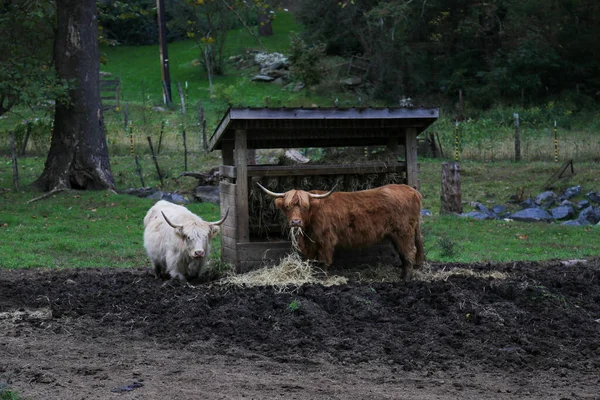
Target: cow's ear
<point>279,203</point>
<point>213,230</point>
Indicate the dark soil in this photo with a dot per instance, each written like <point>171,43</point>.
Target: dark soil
<point>96,334</point>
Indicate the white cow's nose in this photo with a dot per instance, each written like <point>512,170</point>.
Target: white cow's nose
<point>199,253</point>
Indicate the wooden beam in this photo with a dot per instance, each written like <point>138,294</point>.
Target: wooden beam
<point>310,170</point>
<point>241,186</point>
<point>410,148</point>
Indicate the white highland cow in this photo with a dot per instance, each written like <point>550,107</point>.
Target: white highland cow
<point>177,241</point>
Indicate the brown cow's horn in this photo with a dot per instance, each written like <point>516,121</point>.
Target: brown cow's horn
<point>219,222</point>
<point>169,222</point>
<point>322,196</point>
<point>267,191</point>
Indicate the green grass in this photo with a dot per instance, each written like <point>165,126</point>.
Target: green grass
<point>101,229</point>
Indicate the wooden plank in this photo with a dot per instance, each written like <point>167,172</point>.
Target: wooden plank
<point>241,186</point>
<point>227,171</point>
<point>229,255</point>
<point>412,171</point>
<point>258,251</point>
<point>309,170</point>
<point>229,230</point>
<point>228,242</point>
<point>331,113</point>
<point>227,150</point>
<point>214,138</point>
<point>227,188</point>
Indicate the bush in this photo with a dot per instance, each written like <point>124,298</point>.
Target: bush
<point>306,61</point>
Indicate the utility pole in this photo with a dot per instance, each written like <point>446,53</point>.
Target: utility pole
<point>164,54</point>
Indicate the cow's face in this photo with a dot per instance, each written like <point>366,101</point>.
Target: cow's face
<point>195,238</point>
<point>195,235</point>
<point>295,204</point>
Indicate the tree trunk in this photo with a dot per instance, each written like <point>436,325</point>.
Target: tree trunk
<point>78,156</point>
<point>265,28</point>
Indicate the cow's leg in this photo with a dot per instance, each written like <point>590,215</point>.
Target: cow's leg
<point>159,270</point>
<point>405,246</point>
<point>326,255</point>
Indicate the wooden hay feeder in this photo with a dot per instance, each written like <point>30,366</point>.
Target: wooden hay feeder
<point>246,245</point>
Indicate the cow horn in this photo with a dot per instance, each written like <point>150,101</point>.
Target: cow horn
<point>169,222</point>
<point>322,196</point>
<point>267,191</point>
<point>219,222</point>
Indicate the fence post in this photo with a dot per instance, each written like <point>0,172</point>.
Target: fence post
<point>517,138</point>
<point>13,152</point>
<point>202,124</point>
<point>555,143</point>
<point>155,161</point>
<point>451,196</point>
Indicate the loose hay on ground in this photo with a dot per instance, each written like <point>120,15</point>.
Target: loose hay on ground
<point>291,273</point>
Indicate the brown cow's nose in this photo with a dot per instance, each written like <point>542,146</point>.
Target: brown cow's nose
<point>199,253</point>
<point>296,222</point>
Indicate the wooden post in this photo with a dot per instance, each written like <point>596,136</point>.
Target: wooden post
<point>155,161</point>
<point>227,150</point>
<point>410,148</point>
<point>555,143</point>
<point>517,138</point>
<point>185,152</point>
<point>143,103</point>
<point>13,152</point>
<point>162,128</point>
<point>27,133</point>
<point>202,124</point>
<point>139,170</point>
<point>451,196</point>
<point>126,115</point>
<point>164,53</point>
<point>241,184</point>
<point>182,98</point>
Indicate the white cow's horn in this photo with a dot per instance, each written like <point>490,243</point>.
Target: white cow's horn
<point>169,222</point>
<point>322,196</point>
<point>267,191</point>
<point>219,222</point>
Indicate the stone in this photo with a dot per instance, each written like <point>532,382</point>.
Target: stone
<point>573,222</point>
<point>532,215</point>
<point>562,212</point>
<point>595,197</point>
<point>426,213</point>
<point>263,78</point>
<point>529,203</point>
<point>590,214</point>
<point>208,194</point>
<point>477,215</point>
<point>351,81</point>
<point>499,209</point>
<point>571,192</point>
<point>583,204</point>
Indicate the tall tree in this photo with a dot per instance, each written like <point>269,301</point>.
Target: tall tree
<point>78,156</point>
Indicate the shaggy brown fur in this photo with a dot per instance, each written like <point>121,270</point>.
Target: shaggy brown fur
<point>357,219</point>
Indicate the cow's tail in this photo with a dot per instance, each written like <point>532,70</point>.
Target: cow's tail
<point>420,257</point>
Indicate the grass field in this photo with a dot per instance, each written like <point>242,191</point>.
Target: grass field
<point>98,229</point>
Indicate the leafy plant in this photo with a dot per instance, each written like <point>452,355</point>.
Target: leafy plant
<point>294,306</point>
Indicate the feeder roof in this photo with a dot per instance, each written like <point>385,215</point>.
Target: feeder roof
<point>268,128</point>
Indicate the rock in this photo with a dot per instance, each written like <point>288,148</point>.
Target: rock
<point>572,222</point>
<point>477,215</point>
<point>532,215</point>
<point>426,213</point>
<point>208,194</point>
<point>268,59</point>
<point>351,81</point>
<point>499,210</point>
<point>583,204</point>
<point>529,203</point>
<point>590,214</point>
<point>562,212</point>
<point>263,78</point>
<point>571,192</point>
<point>158,109</point>
<point>481,208</point>
<point>140,192</point>
<point>545,199</point>
<point>595,197</point>
<point>171,197</point>
<point>298,87</point>
<point>278,81</point>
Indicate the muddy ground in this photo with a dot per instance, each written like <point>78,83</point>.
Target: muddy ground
<point>104,334</point>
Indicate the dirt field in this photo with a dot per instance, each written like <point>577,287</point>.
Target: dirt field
<point>104,334</point>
